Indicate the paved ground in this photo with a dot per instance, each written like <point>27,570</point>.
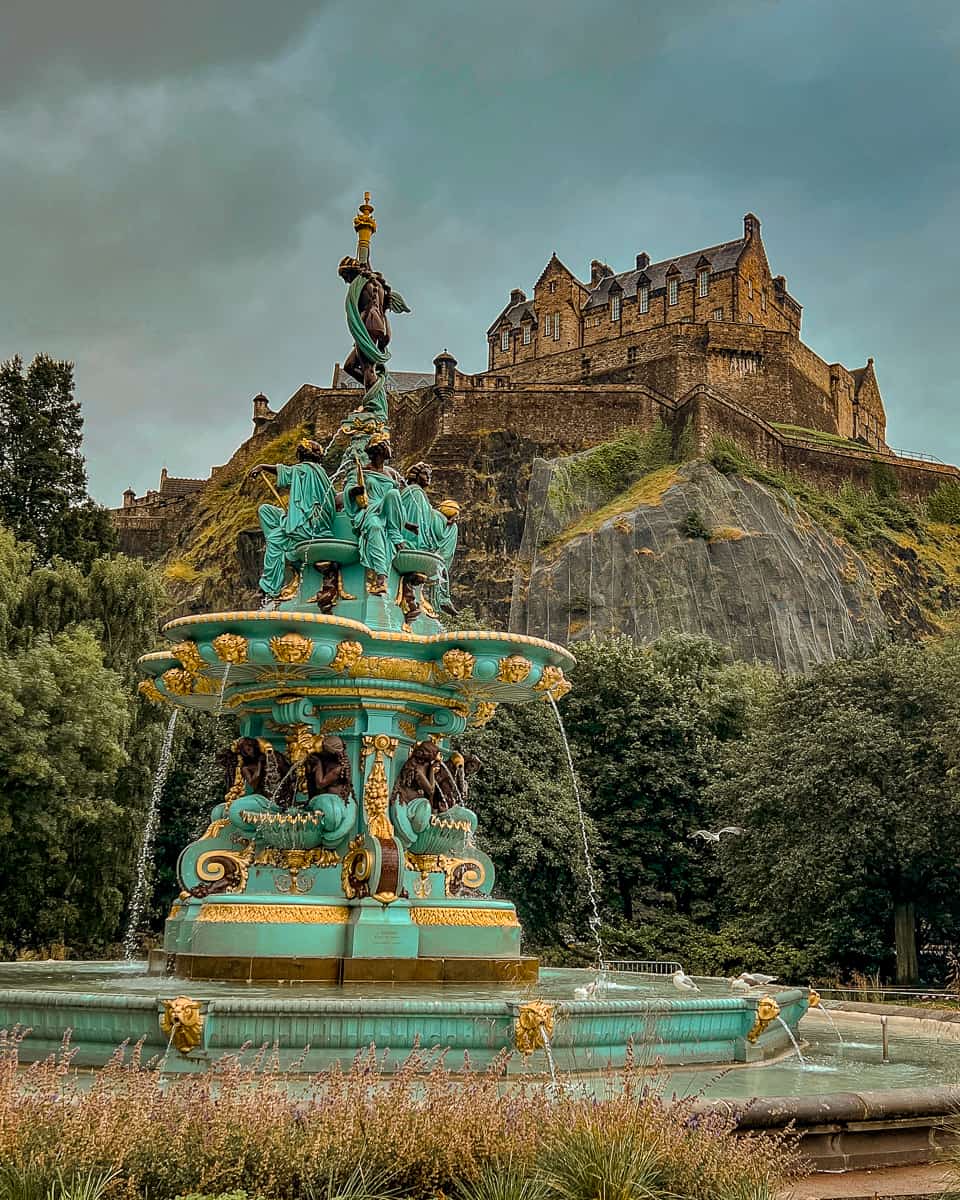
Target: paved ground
<point>904,1183</point>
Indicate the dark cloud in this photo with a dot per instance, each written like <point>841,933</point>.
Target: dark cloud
<point>49,43</point>
<point>179,181</point>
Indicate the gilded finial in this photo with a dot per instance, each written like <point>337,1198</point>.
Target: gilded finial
<point>366,227</point>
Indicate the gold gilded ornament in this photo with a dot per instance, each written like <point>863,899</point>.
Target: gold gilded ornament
<point>458,664</point>
<point>188,654</point>
<point>230,648</point>
<point>336,725</point>
<point>181,1023</point>
<point>148,689</point>
<point>482,713</point>
<point>767,1010</point>
<point>408,728</point>
<point>291,648</point>
<point>533,1027</point>
<point>814,999</point>
<point>514,669</point>
<point>275,914</point>
<point>357,869</point>
<point>553,683</point>
<point>348,655</point>
<point>215,866</point>
<point>394,668</point>
<point>481,917</point>
<point>376,791</point>
<point>179,682</point>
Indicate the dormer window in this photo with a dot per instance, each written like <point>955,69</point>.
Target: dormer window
<point>643,297</point>
<point>673,290</point>
<point>504,339</point>
<point>615,307</point>
<point>526,333</point>
<point>703,282</point>
<point>548,326</point>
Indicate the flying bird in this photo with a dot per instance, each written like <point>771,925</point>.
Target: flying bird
<point>755,979</point>
<point>715,837</point>
<point>683,983</point>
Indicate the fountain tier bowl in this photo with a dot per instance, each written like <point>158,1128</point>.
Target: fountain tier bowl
<point>105,1004</point>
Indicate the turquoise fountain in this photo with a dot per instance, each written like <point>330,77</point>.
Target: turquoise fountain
<point>343,857</point>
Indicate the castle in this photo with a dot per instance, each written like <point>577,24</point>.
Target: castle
<point>705,344</point>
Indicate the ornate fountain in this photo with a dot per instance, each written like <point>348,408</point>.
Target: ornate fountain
<point>344,849</point>
<point>342,856</point>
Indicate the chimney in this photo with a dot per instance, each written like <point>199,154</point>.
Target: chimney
<point>780,283</point>
<point>751,225</point>
<point>517,296</point>
<point>163,478</point>
<point>599,270</point>
<point>643,261</point>
<point>128,497</point>
<point>445,368</point>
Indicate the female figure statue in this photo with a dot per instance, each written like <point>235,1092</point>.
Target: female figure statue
<point>330,788</point>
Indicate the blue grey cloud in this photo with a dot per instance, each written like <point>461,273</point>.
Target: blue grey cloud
<point>179,181</point>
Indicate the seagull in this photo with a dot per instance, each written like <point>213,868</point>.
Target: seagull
<point>715,837</point>
<point>739,985</point>
<point>584,993</point>
<point>683,983</point>
<point>755,979</point>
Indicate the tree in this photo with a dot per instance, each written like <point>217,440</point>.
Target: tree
<point>529,824</point>
<point>79,748</point>
<point>646,725</point>
<point>851,811</point>
<point>43,481</point>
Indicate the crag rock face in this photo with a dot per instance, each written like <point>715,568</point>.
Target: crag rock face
<point>688,549</point>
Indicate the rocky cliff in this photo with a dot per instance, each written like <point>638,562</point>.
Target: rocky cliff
<point>688,548</point>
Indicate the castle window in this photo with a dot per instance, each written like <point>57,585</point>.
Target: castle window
<point>749,289</point>
<point>763,300</point>
<point>703,283</point>
<point>547,325</point>
<point>505,339</point>
<point>633,353</point>
<point>526,333</point>
<point>615,307</point>
<point>673,290</point>
<point>749,318</point>
<point>585,365</point>
<point>552,286</point>
<point>643,298</point>
<point>718,314</point>
<point>556,327</point>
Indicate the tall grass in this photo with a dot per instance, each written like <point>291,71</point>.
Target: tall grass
<point>359,1135</point>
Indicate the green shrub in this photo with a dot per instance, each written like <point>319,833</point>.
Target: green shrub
<point>944,504</point>
<point>693,526</point>
<point>596,476</point>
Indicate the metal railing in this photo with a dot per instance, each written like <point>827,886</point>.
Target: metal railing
<point>641,966</point>
<point>916,454</point>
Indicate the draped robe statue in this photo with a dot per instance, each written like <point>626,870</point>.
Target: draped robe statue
<point>372,499</point>
<point>431,529</point>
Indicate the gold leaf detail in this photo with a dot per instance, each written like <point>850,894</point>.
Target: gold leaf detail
<point>348,655</point>
<point>458,664</point>
<point>553,683</point>
<point>275,914</point>
<point>408,728</point>
<point>188,654</point>
<point>179,682</point>
<point>514,669</point>
<point>376,791</point>
<point>407,669</point>
<point>533,1026</point>
<point>483,712</point>
<point>464,916</point>
<point>230,648</point>
<point>336,725</point>
<point>147,688</point>
<point>291,648</point>
<point>182,1023</point>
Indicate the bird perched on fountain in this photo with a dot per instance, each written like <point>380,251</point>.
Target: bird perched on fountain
<point>708,836</point>
<point>739,985</point>
<point>683,983</point>
<point>755,979</point>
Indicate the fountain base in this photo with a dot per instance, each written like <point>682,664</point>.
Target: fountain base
<point>344,970</point>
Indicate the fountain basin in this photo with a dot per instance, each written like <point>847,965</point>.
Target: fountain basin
<point>333,1025</point>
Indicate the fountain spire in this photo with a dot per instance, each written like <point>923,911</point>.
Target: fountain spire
<point>366,227</point>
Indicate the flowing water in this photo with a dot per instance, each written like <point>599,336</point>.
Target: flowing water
<point>834,1026</point>
<point>796,1045</point>
<point>141,888</point>
<point>594,919</point>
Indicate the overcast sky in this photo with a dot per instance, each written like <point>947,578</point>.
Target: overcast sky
<point>179,178</point>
